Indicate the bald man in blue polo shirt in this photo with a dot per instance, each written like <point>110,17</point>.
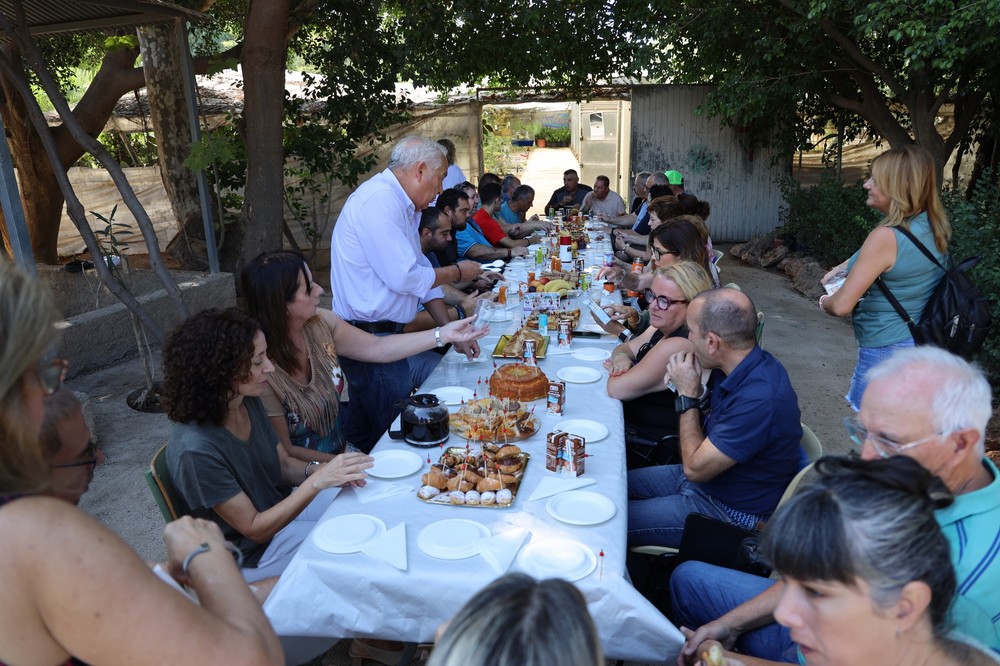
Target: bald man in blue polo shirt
<point>921,402</point>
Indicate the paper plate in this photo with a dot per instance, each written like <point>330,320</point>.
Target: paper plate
<point>453,539</point>
<point>453,395</point>
<point>557,558</point>
<point>592,431</point>
<point>591,354</point>
<point>580,507</point>
<point>347,534</point>
<point>393,464</point>
<point>577,374</point>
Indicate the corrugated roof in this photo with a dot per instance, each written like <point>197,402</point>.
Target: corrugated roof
<point>53,16</point>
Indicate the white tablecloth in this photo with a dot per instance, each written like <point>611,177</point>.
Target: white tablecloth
<point>355,595</point>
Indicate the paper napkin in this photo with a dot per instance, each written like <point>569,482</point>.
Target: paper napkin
<point>377,489</point>
<point>390,547</point>
<point>500,550</point>
<point>553,485</point>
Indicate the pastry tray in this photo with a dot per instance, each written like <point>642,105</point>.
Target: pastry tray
<point>498,351</point>
<point>444,500</point>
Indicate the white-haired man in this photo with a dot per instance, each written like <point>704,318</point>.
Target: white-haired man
<point>379,277</point>
<point>924,403</point>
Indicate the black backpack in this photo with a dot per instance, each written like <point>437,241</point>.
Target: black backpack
<point>957,315</point>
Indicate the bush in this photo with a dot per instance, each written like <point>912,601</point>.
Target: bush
<point>976,233</point>
<point>829,221</point>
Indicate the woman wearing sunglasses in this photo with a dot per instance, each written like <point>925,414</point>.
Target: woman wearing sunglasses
<point>73,591</point>
<point>636,367</point>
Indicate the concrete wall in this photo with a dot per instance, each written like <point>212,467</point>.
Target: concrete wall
<point>99,331</point>
<point>668,134</point>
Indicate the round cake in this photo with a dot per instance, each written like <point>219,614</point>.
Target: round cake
<point>518,381</point>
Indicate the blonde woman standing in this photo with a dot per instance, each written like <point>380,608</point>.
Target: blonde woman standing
<point>902,186</point>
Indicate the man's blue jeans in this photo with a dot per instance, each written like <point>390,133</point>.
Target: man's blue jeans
<point>660,499</point>
<point>700,593</point>
<point>374,390</point>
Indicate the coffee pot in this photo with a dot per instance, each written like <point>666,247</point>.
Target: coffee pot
<point>423,421</point>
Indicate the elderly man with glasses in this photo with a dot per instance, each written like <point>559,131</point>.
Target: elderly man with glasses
<point>71,453</point>
<point>924,403</point>
<point>739,444</point>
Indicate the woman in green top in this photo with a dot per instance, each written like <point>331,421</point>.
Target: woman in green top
<point>903,186</point>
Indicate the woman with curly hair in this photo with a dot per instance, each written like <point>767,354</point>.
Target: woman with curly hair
<point>224,457</point>
<point>303,394</point>
<point>73,591</point>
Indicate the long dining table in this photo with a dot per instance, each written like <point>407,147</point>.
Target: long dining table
<point>323,596</point>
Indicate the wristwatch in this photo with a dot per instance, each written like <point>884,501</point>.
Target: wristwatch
<point>683,403</point>
<point>625,335</point>
<point>437,337</point>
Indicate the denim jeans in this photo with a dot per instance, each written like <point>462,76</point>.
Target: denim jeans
<point>868,358</point>
<point>700,593</point>
<point>660,499</point>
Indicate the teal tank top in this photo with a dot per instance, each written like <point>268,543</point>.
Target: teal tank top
<point>911,279</point>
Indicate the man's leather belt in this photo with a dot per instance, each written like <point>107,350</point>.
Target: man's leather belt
<point>376,327</point>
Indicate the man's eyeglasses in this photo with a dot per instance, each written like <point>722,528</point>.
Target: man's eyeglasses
<point>884,446</point>
<point>89,458</point>
<point>657,252</point>
<point>662,302</point>
<point>51,375</point>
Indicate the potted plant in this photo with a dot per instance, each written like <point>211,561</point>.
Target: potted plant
<point>559,137</point>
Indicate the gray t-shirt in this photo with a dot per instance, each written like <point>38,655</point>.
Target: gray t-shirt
<point>209,465</point>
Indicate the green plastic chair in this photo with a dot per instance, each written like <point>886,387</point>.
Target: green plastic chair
<point>158,478</point>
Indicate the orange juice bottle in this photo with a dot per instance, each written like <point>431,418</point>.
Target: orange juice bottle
<point>637,266</point>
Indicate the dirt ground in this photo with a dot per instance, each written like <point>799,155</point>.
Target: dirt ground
<point>817,350</point>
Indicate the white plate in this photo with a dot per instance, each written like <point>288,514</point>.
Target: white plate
<point>580,507</point>
<point>347,534</point>
<point>592,431</point>
<point>453,395</point>
<point>577,374</point>
<point>394,464</point>
<point>557,558</point>
<point>591,354</point>
<point>453,539</point>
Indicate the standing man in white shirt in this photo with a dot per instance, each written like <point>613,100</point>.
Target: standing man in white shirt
<point>379,277</point>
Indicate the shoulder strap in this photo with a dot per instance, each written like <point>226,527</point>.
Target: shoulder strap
<point>895,303</point>
<point>920,246</point>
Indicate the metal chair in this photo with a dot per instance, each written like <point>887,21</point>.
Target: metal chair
<point>158,478</point>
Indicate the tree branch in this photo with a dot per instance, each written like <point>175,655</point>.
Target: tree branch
<point>27,46</point>
<point>852,50</point>
<point>73,206</point>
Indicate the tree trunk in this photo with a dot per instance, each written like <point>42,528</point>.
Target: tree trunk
<point>39,186</point>
<point>168,111</point>
<point>40,195</point>
<point>264,51</point>
<point>986,158</point>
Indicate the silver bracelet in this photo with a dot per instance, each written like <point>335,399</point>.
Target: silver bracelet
<point>203,548</point>
<point>305,472</point>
